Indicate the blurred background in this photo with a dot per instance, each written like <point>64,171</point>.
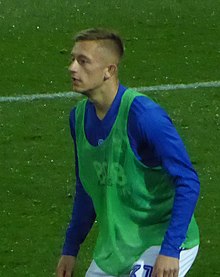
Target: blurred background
<point>167,42</point>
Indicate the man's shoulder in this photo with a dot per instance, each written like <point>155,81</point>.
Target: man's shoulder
<point>143,104</point>
<point>72,113</point>
<point>78,106</point>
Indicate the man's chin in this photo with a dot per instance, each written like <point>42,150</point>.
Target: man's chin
<point>77,89</point>
<point>80,90</point>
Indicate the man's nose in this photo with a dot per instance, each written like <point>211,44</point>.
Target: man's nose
<point>73,66</point>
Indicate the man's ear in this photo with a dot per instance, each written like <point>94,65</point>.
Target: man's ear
<point>110,71</point>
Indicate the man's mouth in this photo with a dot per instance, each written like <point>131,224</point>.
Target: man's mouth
<point>75,80</point>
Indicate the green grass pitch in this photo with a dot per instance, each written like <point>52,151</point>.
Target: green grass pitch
<point>166,42</point>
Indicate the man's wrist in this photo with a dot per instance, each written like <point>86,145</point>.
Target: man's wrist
<point>70,252</point>
<point>170,251</point>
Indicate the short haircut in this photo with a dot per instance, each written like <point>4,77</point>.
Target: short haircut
<point>99,34</point>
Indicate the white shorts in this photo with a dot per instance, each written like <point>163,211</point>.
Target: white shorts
<point>144,265</point>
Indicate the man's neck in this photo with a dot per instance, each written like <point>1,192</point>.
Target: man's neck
<point>102,98</point>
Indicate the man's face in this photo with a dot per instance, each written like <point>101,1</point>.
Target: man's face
<point>88,66</point>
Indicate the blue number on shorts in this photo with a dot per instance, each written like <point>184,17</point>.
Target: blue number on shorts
<point>149,270</point>
<point>135,269</point>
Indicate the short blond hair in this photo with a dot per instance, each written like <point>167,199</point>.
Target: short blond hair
<point>99,34</point>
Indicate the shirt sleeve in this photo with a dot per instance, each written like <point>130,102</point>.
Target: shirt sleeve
<point>83,213</point>
<point>160,136</point>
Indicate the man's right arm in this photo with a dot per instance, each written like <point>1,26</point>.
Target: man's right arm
<point>83,217</point>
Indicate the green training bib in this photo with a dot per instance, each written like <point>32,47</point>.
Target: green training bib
<point>133,202</point>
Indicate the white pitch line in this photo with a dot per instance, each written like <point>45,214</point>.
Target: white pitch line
<point>31,97</point>
<point>71,94</point>
<point>211,84</point>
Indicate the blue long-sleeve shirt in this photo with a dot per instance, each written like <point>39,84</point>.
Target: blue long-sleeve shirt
<point>155,142</point>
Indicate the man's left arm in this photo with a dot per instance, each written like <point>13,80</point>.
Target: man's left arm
<point>171,151</point>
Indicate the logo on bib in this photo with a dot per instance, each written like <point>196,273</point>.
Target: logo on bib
<point>110,175</point>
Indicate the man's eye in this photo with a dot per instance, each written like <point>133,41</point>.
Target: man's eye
<point>82,61</point>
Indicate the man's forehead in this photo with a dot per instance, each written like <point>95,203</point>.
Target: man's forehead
<point>86,47</point>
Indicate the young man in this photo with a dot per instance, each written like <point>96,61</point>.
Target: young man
<point>133,173</point>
